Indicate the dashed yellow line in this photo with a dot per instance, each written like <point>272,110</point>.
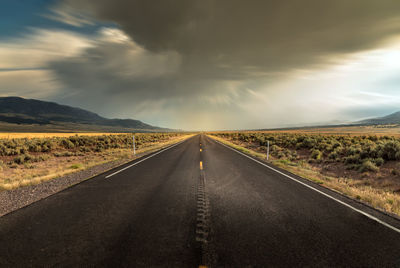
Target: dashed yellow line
<point>202,266</point>
<point>201,165</point>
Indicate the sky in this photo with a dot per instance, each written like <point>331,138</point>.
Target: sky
<point>206,64</point>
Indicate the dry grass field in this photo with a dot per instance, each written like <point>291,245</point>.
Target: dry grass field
<point>31,158</point>
<point>376,130</point>
<point>363,167</point>
<point>16,135</point>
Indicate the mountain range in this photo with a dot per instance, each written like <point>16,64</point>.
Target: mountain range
<point>393,118</point>
<point>30,115</point>
<point>39,114</point>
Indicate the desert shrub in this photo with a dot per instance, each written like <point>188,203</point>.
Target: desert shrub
<point>308,143</point>
<point>34,148</point>
<point>336,145</point>
<point>333,155</point>
<point>379,161</point>
<point>21,159</point>
<point>45,148</point>
<point>67,144</point>
<point>354,150</point>
<point>85,149</point>
<point>12,152</point>
<point>373,138</point>
<point>316,154</point>
<point>299,146</point>
<point>275,148</point>
<point>368,149</point>
<point>368,165</point>
<point>99,148</point>
<point>353,159</point>
<point>390,150</point>
<point>280,154</point>
<point>293,155</point>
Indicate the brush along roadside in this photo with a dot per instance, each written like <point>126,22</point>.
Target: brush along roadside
<point>32,161</point>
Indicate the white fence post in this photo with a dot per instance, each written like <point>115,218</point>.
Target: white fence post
<point>133,145</point>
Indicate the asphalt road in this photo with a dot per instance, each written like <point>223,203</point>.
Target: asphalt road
<point>171,211</point>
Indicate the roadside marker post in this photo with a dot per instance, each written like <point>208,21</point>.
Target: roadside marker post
<point>267,150</point>
<point>133,145</point>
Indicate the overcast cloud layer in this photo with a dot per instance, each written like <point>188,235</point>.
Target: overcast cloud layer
<point>221,64</point>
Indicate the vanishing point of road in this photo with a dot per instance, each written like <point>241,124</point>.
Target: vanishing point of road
<point>198,203</point>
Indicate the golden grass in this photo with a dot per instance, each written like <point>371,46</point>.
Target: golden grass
<point>383,130</point>
<point>6,135</point>
<point>379,198</point>
<point>35,173</point>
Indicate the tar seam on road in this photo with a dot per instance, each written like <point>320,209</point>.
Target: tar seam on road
<point>203,218</point>
<point>312,188</point>
<point>108,176</point>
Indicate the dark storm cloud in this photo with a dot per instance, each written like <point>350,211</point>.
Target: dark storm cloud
<point>267,34</point>
<point>191,56</point>
<point>112,77</point>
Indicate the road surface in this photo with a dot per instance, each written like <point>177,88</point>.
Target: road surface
<point>198,203</point>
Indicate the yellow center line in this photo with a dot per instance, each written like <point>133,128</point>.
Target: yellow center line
<point>201,165</point>
<point>202,266</point>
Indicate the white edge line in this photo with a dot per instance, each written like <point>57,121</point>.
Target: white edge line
<point>312,188</point>
<point>122,169</point>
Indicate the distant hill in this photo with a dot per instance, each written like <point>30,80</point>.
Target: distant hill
<point>43,114</point>
<point>393,118</point>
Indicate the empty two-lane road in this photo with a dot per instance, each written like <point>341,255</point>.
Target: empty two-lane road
<point>147,215</point>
